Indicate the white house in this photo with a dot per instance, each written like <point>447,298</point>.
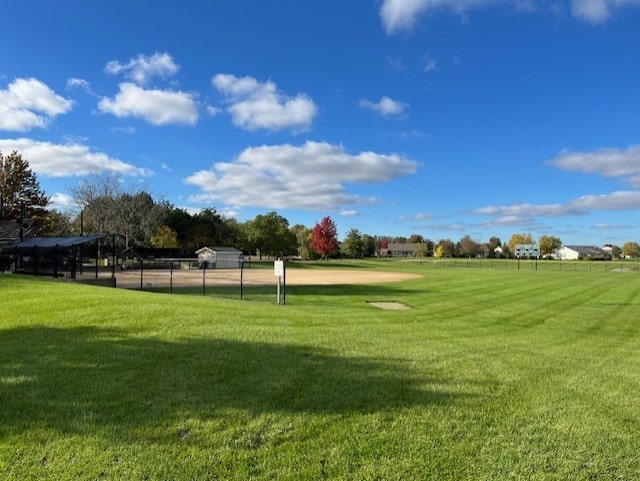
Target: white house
<point>570,253</point>
<point>219,257</point>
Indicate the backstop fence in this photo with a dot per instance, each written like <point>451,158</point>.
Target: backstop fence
<point>250,280</point>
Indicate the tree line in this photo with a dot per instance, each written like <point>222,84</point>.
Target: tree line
<point>106,205</point>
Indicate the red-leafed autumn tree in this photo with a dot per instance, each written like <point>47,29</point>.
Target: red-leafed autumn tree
<point>324,238</point>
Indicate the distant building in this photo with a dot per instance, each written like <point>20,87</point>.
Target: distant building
<point>402,249</point>
<point>570,253</point>
<point>527,251</point>
<point>219,258</point>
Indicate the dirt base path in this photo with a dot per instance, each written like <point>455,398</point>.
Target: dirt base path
<point>324,277</point>
<point>294,277</point>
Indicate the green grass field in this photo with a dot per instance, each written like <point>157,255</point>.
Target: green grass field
<point>491,375</point>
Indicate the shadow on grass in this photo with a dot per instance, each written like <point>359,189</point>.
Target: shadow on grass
<point>391,290</point>
<point>83,379</point>
<point>268,293</point>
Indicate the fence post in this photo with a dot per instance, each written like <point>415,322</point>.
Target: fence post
<point>284,281</point>
<point>241,277</point>
<point>204,275</point>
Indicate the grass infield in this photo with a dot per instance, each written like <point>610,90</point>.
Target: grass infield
<point>489,375</point>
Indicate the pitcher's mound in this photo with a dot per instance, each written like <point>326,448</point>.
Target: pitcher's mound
<point>390,305</point>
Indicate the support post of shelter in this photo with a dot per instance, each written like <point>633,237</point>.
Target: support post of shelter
<point>241,277</point>
<point>55,262</point>
<point>114,258</point>
<point>204,277</point>
<point>97,258</point>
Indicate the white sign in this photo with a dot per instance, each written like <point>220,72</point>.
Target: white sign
<point>278,268</point>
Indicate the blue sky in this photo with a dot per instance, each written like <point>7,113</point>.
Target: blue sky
<point>395,117</point>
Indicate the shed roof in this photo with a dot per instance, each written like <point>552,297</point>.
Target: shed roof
<point>231,250</point>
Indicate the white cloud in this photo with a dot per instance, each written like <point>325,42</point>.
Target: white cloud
<point>429,63</point>
<point>62,202</point>
<point>349,213</point>
<point>410,134</point>
<point>158,107</point>
<point>396,62</point>
<point>255,105</point>
<point>605,162</point>
<point>606,226</point>
<point>142,68</point>
<point>212,111</point>
<point>29,103</point>
<point>66,160</point>
<point>387,107</point>
<point>616,201</point>
<point>78,83</point>
<point>312,176</point>
<point>402,15</point>
<point>117,131</point>
<point>592,11</point>
<point>599,11</point>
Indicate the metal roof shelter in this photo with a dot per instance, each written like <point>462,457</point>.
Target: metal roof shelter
<point>44,244</point>
<point>53,255</point>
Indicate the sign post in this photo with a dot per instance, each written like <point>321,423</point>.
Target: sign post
<point>278,271</point>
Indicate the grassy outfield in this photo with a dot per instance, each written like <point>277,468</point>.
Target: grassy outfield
<point>491,375</point>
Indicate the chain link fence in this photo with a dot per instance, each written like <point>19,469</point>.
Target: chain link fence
<point>251,280</point>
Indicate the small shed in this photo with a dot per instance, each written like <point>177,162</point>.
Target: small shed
<point>219,258</point>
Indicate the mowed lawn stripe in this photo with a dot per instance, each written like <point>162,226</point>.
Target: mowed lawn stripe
<point>489,375</point>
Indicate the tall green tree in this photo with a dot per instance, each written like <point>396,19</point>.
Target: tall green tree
<point>631,249</point>
<point>164,237</point>
<point>109,207</point>
<point>549,244</point>
<point>57,224</point>
<point>446,247</point>
<point>467,247</point>
<point>368,245</point>
<point>325,238</point>
<point>179,221</point>
<point>19,186</point>
<point>270,235</point>
<point>303,238</point>
<point>519,239</point>
<point>353,245</point>
<point>139,217</point>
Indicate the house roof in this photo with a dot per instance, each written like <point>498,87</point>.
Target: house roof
<point>403,247</point>
<point>587,250</point>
